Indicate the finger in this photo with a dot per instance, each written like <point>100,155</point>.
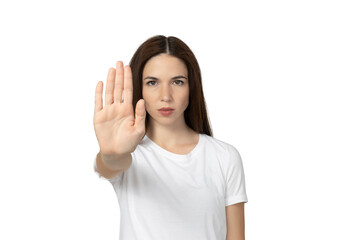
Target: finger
<point>109,92</point>
<point>140,114</point>
<point>98,97</point>
<point>119,82</point>
<point>128,88</point>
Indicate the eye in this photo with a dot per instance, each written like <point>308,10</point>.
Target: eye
<point>149,82</point>
<point>179,81</point>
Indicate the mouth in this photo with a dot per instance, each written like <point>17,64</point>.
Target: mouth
<point>166,109</point>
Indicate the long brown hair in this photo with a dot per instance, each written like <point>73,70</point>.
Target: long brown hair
<point>195,114</point>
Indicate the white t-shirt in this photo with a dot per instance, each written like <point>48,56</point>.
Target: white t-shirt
<point>168,196</point>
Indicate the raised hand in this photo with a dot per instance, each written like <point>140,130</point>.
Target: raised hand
<point>117,130</point>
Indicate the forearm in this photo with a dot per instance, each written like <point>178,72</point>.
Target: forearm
<point>110,166</point>
<point>115,162</point>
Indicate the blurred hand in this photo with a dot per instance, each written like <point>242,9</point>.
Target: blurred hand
<point>117,130</point>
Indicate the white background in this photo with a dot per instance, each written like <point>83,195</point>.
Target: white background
<point>281,82</point>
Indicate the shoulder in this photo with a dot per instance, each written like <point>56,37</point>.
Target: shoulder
<point>227,154</point>
<point>219,145</point>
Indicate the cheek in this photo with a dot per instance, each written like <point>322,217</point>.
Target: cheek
<point>147,98</point>
<point>184,99</point>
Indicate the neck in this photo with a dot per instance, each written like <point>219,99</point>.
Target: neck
<point>170,135</point>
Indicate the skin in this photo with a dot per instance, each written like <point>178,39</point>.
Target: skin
<point>169,132</point>
<point>235,221</point>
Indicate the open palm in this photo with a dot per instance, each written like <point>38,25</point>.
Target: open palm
<point>117,130</point>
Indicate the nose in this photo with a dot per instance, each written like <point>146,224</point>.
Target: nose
<point>166,93</point>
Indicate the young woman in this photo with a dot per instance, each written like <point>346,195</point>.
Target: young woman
<point>173,179</point>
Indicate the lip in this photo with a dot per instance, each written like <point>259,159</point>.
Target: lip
<point>166,109</point>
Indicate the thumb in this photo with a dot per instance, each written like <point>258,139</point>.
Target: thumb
<point>140,114</point>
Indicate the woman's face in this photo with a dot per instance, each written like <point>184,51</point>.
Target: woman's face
<point>165,84</point>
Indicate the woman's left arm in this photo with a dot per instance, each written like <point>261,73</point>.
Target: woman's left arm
<point>235,221</point>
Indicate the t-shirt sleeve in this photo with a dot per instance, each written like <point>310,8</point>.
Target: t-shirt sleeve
<point>234,177</point>
<point>115,181</point>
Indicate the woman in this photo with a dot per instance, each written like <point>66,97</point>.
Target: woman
<point>173,179</point>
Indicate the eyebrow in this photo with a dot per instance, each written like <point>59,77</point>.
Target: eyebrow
<point>173,78</point>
